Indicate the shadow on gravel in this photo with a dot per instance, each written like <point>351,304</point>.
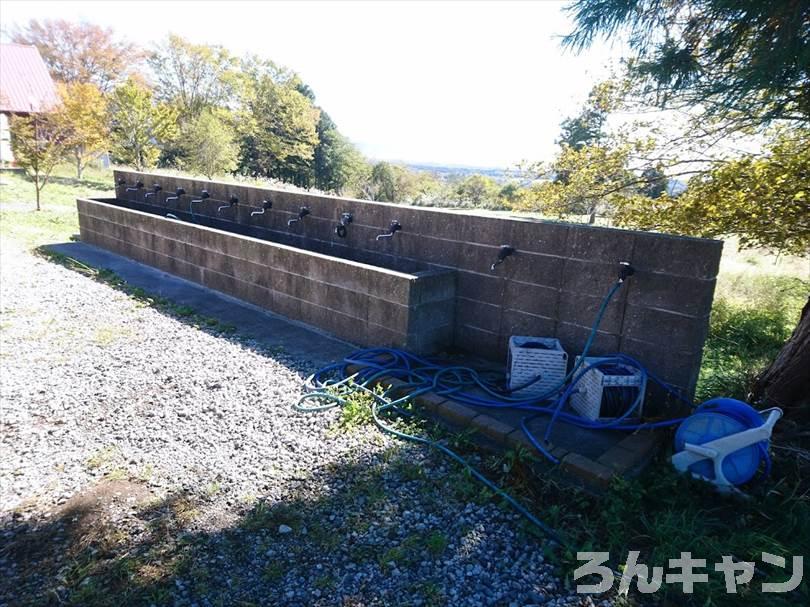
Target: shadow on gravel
<point>375,529</point>
<point>182,313</point>
<point>350,534</point>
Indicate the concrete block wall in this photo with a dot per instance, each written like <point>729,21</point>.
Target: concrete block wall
<point>551,286</point>
<point>362,304</point>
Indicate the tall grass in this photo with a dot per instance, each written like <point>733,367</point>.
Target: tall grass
<point>752,317</point>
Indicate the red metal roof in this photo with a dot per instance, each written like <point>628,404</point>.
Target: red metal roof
<point>25,84</point>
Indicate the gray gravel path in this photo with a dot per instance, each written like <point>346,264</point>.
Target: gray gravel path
<point>202,486</point>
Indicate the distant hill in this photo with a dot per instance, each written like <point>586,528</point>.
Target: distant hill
<point>449,172</point>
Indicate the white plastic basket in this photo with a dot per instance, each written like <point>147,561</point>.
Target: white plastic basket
<point>530,357</point>
<point>587,399</point>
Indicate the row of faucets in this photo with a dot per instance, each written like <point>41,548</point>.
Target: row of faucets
<point>341,229</point>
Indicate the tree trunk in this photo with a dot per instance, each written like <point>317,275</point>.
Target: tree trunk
<point>786,383</point>
<point>79,167</point>
<point>37,188</point>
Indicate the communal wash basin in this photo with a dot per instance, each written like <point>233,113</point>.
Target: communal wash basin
<point>401,304</point>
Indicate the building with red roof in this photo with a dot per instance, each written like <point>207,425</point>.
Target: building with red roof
<point>25,87</point>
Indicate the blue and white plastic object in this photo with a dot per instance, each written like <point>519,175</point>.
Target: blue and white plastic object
<point>724,442</point>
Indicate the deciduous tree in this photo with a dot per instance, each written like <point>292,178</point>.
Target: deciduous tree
<point>209,145</point>
<point>84,113</point>
<point>39,142</point>
<point>80,52</point>
<point>138,125</point>
<point>764,200</point>
<point>194,77</point>
<point>278,125</point>
<point>336,162</point>
<point>477,190</point>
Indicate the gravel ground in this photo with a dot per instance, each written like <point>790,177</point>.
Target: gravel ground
<point>144,460</point>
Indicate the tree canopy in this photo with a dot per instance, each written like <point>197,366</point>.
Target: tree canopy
<point>137,125</point>
<point>209,145</point>
<point>765,200</point>
<point>194,77</point>
<point>84,113</point>
<point>749,61</point>
<point>79,53</point>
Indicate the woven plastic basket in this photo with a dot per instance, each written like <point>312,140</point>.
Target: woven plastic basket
<point>530,357</point>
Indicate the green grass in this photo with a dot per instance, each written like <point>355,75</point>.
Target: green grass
<point>57,221</point>
<point>752,317</point>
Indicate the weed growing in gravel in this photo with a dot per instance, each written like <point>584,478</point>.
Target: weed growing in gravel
<point>356,412</point>
<point>275,570</point>
<point>116,474</point>
<point>325,582</point>
<point>271,516</point>
<point>412,549</point>
<point>431,592</point>
<point>107,335</point>
<point>102,457</point>
<point>436,542</point>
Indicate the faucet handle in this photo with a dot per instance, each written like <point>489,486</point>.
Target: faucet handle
<point>504,252</point>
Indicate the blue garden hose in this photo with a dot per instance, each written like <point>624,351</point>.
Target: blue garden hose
<point>465,385</point>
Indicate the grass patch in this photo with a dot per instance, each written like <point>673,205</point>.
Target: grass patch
<point>752,317</point>
<point>58,220</point>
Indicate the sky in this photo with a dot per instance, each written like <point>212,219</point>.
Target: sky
<point>483,84</point>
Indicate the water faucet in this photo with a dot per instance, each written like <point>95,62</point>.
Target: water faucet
<point>393,228</point>
<point>302,212</point>
<point>203,195</point>
<point>345,220</point>
<point>504,252</point>
<point>232,202</point>
<point>266,204</point>
<point>156,187</point>
<point>138,186</point>
<point>177,194</point>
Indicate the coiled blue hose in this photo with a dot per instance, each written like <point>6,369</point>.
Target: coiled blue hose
<point>463,384</point>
